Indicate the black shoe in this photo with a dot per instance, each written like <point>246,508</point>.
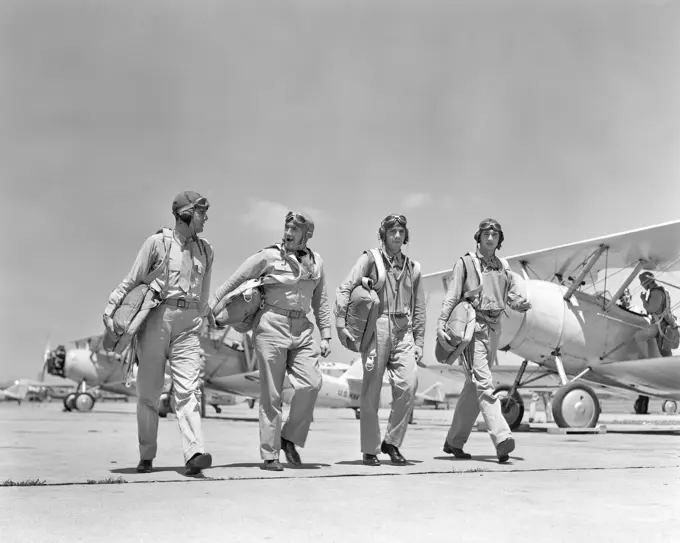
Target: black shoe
<point>504,449</point>
<point>272,465</point>
<point>371,460</point>
<point>198,463</point>
<point>458,453</point>
<point>292,455</point>
<point>394,453</point>
<point>145,466</point>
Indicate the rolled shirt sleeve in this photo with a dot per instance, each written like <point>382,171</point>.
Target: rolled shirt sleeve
<point>322,311</point>
<point>147,255</point>
<point>515,298</point>
<point>252,268</point>
<point>207,277</point>
<point>419,313</point>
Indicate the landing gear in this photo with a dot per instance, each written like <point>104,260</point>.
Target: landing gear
<point>84,402</point>
<point>357,413</point>
<point>251,402</point>
<point>217,408</point>
<point>641,405</point>
<point>576,406</point>
<point>511,405</point>
<point>164,406</point>
<point>70,402</point>
<point>669,407</point>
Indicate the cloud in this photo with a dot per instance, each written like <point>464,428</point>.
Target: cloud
<point>269,216</point>
<point>416,199</point>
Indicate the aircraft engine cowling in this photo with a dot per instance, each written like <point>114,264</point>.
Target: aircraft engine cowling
<point>553,325</point>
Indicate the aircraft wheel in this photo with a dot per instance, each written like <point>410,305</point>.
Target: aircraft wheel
<point>70,402</point>
<point>670,407</point>
<point>164,406</point>
<point>84,402</point>
<point>357,414</point>
<point>576,406</point>
<point>251,403</point>
<point>513,408</point>
<point>218,409</point>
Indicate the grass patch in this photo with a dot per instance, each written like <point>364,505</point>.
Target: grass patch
<point>107,481</point>
<point>27,482</point>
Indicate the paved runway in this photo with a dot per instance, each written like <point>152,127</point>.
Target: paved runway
<point>623,485</point>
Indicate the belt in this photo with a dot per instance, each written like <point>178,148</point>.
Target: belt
<point>286,312</point>
<point>395,313</point>
<point>181,303</point>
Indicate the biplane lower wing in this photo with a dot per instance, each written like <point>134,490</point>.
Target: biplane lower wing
<point>653,376</point>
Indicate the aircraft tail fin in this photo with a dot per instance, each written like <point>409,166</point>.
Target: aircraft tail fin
<point>356,371</point>
<point>435,393</point>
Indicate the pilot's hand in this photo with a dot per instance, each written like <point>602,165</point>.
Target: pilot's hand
<point>443,336</point>
<point>524,306</point>
<point>325,348</point>
<point>419,356</point>
<point>344,336</point>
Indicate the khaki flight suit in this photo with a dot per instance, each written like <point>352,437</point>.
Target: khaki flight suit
<point>170,333</point>
<point>399,328</point>
<point>498,289</point>
<point>283,339</point>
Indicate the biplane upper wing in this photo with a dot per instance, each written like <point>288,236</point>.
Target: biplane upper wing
<point>653,376</point>
<point>658,246</point>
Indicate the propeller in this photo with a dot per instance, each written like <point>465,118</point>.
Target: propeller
<point>46,357</point>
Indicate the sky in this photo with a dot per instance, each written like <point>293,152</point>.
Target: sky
<point>560,119</point>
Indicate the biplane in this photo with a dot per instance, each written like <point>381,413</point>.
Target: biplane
<point>578,329</point>
<point>86,362</point>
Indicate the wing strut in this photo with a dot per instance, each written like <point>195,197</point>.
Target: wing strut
<point>625,284</point>
<point>581,276</point>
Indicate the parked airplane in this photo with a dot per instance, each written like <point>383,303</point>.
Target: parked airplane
<point>340,387</point>
<point>578,331</point>
<point>21,390</point>
<point>87,363</point>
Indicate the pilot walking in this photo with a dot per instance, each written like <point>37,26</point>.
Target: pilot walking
<point>171,330</point>
<point>498,290</point>
<point>398,343</point>
<point>283,335</point>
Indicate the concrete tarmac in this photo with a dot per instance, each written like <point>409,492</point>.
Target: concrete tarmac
<point>620,486</point>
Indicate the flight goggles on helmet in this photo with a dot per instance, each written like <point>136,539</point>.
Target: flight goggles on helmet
<point>391,219</point>
<point>201,203</point>
<point>296,217</point>
<point>490,224</point>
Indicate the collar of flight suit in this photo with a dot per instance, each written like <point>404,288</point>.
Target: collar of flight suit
<point>397,261</point>
<point>182,239</point>
<point>493,262</point>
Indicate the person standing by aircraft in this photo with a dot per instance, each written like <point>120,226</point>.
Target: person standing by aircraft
<point>398,343</point>
<point>282,335</point>
<point>498,290</point>
<point>171,330</point>
<point>657,303</point>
